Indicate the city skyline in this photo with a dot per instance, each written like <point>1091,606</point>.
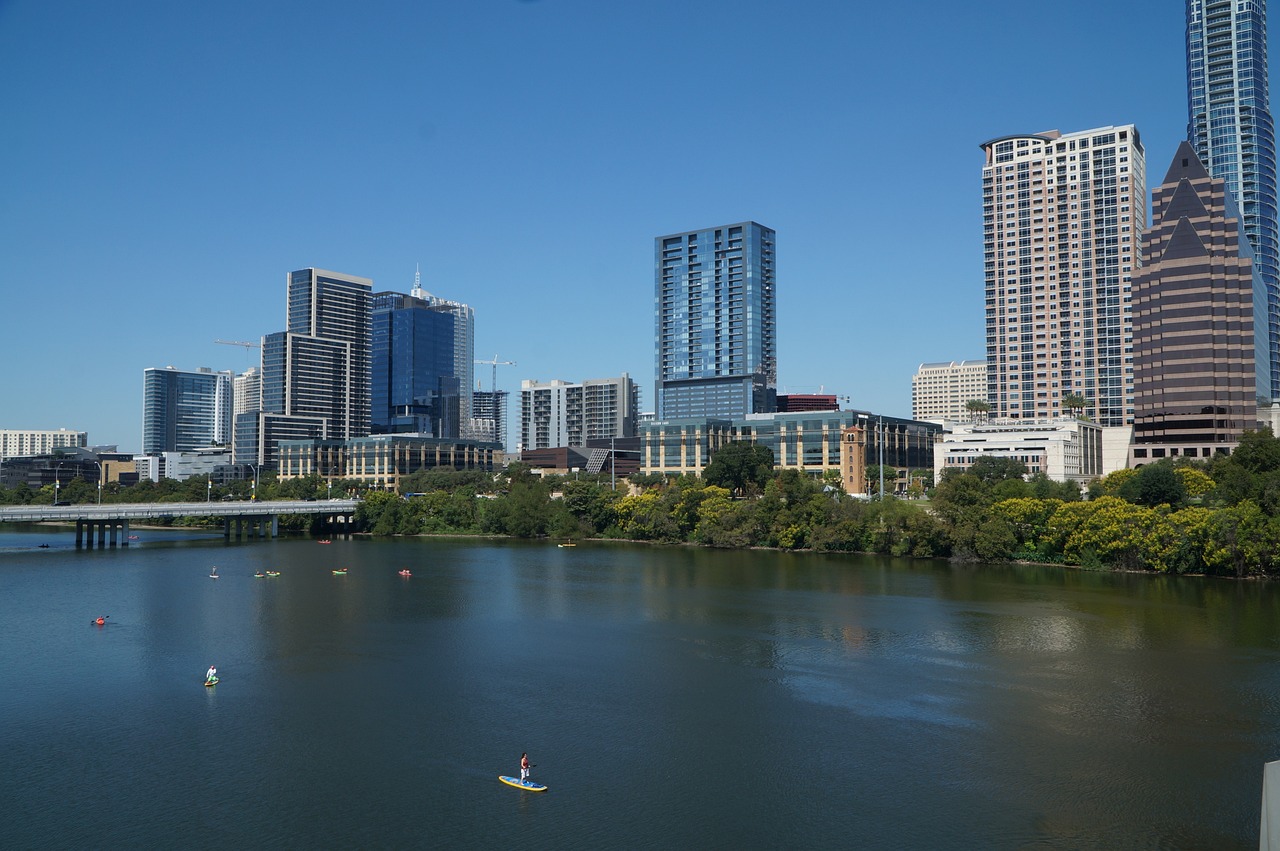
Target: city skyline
<point>483,141</point>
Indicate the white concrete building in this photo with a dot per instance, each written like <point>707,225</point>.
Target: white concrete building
<point>940,391</point>
<point>15,443</point>
<point>557,413</point>
<point>1064,449</point>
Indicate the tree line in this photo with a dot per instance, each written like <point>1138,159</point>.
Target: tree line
<point>1209,516</point>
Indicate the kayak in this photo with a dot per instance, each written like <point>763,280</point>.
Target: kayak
<point>404,573</point>
<point>212,682</point>
<point>527,785</point>
<point>273,573</point>
<point>342,572</point>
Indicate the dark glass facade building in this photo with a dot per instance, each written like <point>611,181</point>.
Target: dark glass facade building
<point>715,322</point>
<point>415,389</point>
<point>1230,127</point>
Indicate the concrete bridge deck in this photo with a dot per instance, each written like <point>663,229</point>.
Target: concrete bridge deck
<point>260,517</point>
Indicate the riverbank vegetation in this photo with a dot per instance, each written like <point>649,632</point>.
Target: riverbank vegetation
<point>1212,516</point>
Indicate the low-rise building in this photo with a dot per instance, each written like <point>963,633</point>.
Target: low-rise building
<point>1064,449</point>
<point>382,459</point>
<point>814,442</point>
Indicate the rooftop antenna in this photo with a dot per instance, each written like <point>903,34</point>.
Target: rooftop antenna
<point>418,291</point>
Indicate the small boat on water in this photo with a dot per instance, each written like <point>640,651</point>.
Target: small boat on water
<point>404,572</point>
<point>133,537</point>
<point>260,575</point>
<point>273,573</point>
<point>213,573</point>
<point>340,571</point>
<point>324,541</point>
<point>568,543</point>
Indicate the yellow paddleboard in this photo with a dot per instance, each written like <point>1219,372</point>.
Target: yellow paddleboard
<point>527,785</point>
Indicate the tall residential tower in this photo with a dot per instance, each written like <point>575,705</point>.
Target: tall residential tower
<point>1229,125</point>
<point>1062,218</point>
<point>715,322</point>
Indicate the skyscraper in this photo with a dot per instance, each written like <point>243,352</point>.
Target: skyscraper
<point>185,410</point>
<point>1229,125</point>
<point>415,389</point>
<point>464,347</point>
<point>1198,368</point>
<point>1062,219</point>
<point>715,322</point>
<point>316,376</point>
<point>557,413</point>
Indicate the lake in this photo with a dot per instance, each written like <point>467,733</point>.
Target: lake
<point>668,696</point>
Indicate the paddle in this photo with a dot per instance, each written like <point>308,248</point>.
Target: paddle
<point>104,617</point>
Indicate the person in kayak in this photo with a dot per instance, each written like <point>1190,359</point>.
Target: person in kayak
<point>211,674</point>
<point>524,768</point>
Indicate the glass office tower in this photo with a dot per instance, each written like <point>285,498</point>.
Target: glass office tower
<point>715,322</point>
<point>415,390</point>
<point>1229,125</point>
<point>183,410</point>
<point>332,367</point>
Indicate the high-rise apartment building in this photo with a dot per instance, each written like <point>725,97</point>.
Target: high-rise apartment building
<point>489,415</point>
<point>715,322</point>
<point>558,413</point>
<point>16,442</point>
<point>248,390</point>
<point>415,390</point>
<point>1200,342</point>
<point>1062,220</point>
<point>185,410</point>
<point>1230,127</point>
<point>942,391</point>
<point>317,375</point>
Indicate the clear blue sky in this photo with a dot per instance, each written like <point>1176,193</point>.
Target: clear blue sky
<point>165,164</point>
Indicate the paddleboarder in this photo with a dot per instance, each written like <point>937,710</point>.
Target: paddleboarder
<point>524,768</point>
<point>211,674</point>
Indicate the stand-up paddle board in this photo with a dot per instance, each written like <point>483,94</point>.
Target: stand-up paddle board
<point>526,785</point>
<point>212,682</point>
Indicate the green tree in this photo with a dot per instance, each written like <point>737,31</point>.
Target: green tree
<point>1155,484</point>
<point>739,466</point>
<point>978,409</point>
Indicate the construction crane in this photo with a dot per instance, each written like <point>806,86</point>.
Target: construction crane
<point>244,343</point>
<point>495,363</point>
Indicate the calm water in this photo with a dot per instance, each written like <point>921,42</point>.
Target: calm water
<point>670,698</point>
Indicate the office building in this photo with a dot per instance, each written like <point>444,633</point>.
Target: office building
<point>796,402</point>
<point>184,410</point>
<point>17,442</point>
<point>1230,128</point>
<point>464,347</point>
<point>415,389</point>
<point>382,460</point>
<point>1200,344</point>
<point>942,391</point>
<point>851,443</point>
<point>1063,216</point>
<point>558,413</point>
<point>715,322</point>
<point>1063,448</point>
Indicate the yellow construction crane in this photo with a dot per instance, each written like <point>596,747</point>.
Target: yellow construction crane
<point>495,363</point>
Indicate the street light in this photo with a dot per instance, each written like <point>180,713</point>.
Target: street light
<point>330,494</point>
<point>879,445</point>
<point>253,494</point>
<point>99,463</point>
<point>209,494</point>
<point>57,483</point>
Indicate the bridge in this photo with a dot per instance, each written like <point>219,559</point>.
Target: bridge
<point>260,519</point>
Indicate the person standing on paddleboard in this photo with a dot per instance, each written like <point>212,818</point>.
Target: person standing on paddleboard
<point>524,768</point>
<point>210,674</point>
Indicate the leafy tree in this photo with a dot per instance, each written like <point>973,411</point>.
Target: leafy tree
<point>1074,403</point>
<point>992,469</point>
<point>740,465</point>
<point>1155,484</point>
<point>978,409</point>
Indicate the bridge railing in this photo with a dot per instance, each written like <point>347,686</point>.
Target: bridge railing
<point>149,510</point>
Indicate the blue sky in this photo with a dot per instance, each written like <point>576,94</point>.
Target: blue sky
<point>167,163</point>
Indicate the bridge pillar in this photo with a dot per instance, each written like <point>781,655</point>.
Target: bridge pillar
<point>124,537</point>
<point>79,534</point>
<point>102,533</point>
<point>275,525</point>
<point>115,531</point>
